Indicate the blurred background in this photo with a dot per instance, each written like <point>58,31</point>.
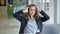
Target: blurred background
<point>9,25</point>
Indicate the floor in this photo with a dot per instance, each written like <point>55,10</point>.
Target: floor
<point>12,26</point>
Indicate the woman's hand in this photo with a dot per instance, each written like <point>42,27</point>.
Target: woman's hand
<point>38,10</point>
<point>26,10</point>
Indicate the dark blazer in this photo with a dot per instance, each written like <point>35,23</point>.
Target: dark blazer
<point>19,17</point>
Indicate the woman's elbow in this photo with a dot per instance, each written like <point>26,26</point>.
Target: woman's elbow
<point>14,15</point>
<point>47,18</point>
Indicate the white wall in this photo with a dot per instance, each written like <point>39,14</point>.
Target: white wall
<point>51,12</point>
<point>58,11</point>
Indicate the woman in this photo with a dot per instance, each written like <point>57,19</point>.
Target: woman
<point>31,22</point>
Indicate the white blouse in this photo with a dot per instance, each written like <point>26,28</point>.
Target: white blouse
<point>31,27</point>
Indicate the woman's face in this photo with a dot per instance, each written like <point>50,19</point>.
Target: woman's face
<point>32,11</point>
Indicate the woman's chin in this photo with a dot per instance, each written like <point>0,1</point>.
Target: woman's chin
<point>32,14</point>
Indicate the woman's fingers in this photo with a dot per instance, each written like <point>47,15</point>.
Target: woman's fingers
<point>38,9</point>
<point>26,10</point>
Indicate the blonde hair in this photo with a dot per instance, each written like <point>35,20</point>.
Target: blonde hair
<point>36,12</point>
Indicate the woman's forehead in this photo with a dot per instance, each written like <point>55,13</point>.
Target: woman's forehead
<point>32,7</point>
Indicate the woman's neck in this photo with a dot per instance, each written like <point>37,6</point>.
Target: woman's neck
<point>32,17</point>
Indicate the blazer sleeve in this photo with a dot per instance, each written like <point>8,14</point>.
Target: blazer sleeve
<point>45,16</point>
<point>18,15</point>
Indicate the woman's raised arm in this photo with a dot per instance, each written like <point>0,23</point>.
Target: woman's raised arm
<point>18,15</point>
<point>45,16</point>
